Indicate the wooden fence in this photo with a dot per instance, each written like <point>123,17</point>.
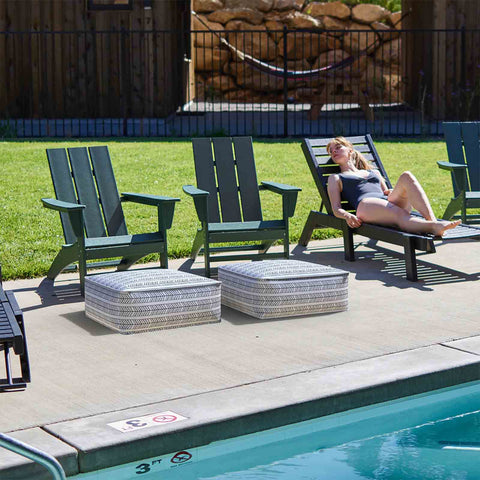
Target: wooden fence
<point>60,59</point>
<point>441,58</point>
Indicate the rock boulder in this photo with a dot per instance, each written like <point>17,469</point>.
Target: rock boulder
<point>204,36</point>
<point>332,9</point>
<point>206,6</point>
<point>254,17</point>
<point>368,13</point>
<point>261,5</point>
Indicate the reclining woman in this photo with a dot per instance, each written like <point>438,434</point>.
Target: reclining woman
<point>366,190</point>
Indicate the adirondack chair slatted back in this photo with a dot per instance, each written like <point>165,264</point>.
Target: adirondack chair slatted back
<point>63,186</point>
<point>463,147</point>
<point>229,175</point>
<point>74,181</point>
<point>322,166</point>
<point>107,191</point>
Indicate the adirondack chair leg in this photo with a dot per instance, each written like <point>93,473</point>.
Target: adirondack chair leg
<point>348,244</point>
<point>265,246</point>
<point>452,208</point>
<point>197,244</point>
<point>307,231</point>
<point>82,269</point>
<point>206,256</point>
<point>286,245</point>
<point>65,257</point>
<point>164,260</point>
<point>410,260</point>
<point>127,262</point>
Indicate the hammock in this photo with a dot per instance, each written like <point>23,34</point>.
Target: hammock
<point>276,71</point>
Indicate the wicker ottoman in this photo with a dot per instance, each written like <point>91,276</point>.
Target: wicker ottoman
<point>142,300</point>
<point>283,288</point>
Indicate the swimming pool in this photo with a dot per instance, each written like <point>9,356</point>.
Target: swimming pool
<point>429,436</point>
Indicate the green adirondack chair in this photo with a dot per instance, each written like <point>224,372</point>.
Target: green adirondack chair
<point>463,147</point>
<point>228,206</point>
<point>92,216</point>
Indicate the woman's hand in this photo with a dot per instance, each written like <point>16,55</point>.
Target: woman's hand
<point>387,191</point>
<point>352,220</point>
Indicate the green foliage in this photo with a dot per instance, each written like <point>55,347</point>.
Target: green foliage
<point>30,236</point>
<point>7,130</point>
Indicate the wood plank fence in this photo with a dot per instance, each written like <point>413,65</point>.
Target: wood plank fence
<point>58,59</point>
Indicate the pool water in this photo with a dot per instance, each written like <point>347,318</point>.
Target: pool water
<point>430,436</point>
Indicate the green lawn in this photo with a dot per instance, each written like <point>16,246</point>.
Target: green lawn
<point>30,235</point>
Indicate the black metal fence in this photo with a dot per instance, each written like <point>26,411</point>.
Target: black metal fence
<point>269,83</point>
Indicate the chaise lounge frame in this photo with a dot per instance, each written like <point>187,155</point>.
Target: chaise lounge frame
<point>322,166</point>
<point>12,336</point>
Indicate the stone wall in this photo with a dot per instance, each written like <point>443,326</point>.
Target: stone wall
<point>367,32</point>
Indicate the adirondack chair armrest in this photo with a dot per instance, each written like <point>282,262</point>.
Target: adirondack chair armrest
<point>146,199</point>
<point>74,211</point>
<point>200,200</point>
<point>289,195</point>
<point>165,205</point>
<point>451,166</point>
<point>194,191</point>
<point>62,206</point>
<point>459,174</point>
<point>280,188</point>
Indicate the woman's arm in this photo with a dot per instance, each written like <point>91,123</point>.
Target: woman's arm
<point>334,193</point>
<point>386,191</point>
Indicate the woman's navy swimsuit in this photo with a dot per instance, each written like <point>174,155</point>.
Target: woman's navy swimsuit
<point>356,188</point>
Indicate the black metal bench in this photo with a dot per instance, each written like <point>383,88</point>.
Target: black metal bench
<point>12,335</point>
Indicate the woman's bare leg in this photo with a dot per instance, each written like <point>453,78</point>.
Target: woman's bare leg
<point>383,212</point>
<point>409,193</point>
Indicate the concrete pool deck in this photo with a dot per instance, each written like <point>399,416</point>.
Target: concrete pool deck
<point>241,375</point>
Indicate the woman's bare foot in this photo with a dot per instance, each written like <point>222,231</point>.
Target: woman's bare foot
<point>444,225</point>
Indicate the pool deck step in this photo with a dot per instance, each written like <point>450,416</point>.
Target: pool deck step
<point>92,443</point>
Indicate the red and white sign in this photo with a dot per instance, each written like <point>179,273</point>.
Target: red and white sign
<point>147,421</point>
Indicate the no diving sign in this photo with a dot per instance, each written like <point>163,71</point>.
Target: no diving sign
<point>147,421</point>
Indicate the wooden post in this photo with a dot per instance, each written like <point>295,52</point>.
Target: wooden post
<point>450,67</point>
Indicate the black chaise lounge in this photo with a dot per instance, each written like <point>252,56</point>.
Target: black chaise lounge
<point>322,166</point>
<point>12,335</point>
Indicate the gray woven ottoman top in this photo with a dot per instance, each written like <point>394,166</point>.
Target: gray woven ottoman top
<point>141,300</point>
<point>282,288</point>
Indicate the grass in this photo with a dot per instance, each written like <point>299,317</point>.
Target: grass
<point>30,235</point>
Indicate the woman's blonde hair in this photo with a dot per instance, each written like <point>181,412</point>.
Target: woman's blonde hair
<point>359,160</point>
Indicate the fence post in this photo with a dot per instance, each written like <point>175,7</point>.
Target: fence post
<point>463,59</point>
<point>124,72</point>
<point>285,83</point>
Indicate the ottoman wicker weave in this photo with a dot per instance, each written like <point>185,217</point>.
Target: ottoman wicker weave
<point>283,288</point>
<point>142,300</point>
